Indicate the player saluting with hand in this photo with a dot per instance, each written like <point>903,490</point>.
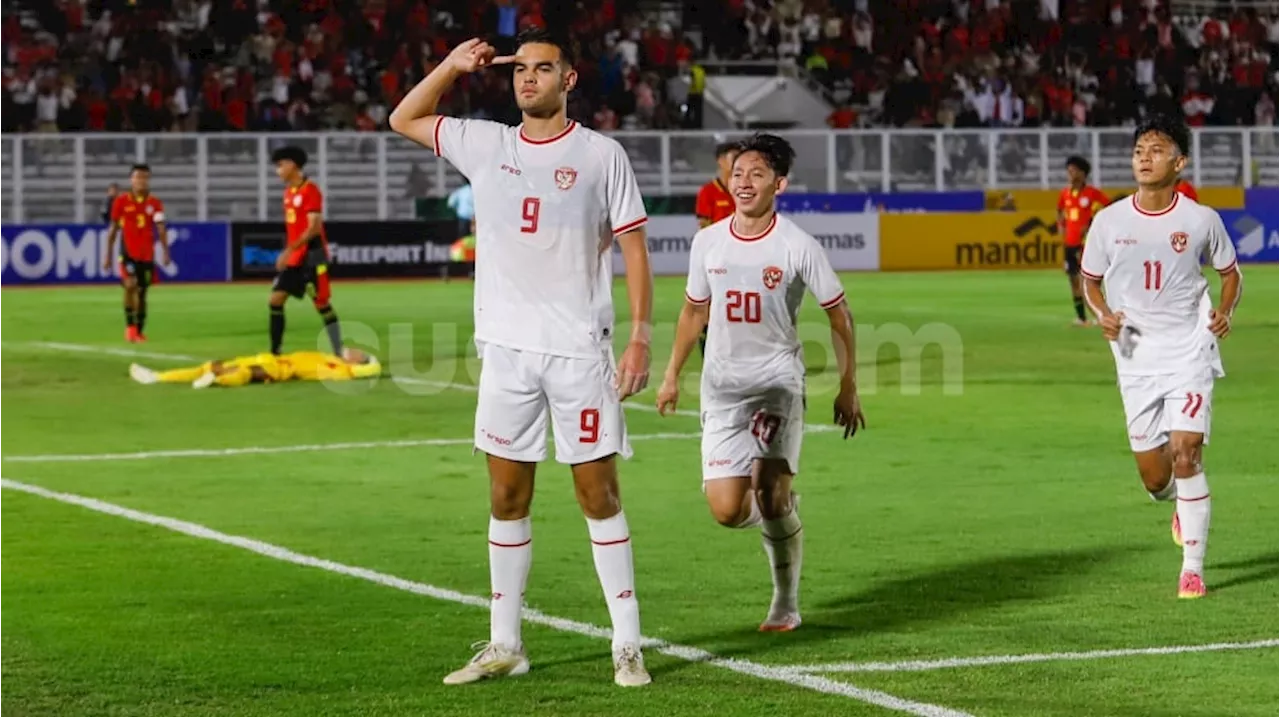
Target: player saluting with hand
<point>747,277</point>
<point>1143,278</point>
<point>551,198</point>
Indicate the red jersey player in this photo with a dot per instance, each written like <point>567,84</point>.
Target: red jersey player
<point>303,265</point>
<point>1144,280</point>
<point>748,276</point>
<point>139,215</point>
<point>552,199</point>
<point>1188,190</point>
<point>715,203</point>
<point>714,200</point>
<point>1077,204</point>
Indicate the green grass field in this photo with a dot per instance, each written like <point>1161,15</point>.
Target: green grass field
<point>991,508</point>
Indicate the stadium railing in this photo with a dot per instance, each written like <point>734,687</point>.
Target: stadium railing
<point>367,176</point>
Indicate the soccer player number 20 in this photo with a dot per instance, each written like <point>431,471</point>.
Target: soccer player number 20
<point>529,210</point>
<point>743,306</point>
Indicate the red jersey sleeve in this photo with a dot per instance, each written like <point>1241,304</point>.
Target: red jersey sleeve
<point>1099,199</point>
<point>1062,199</point>
<point>157,210</point>
<point>312,199</point>
<point>1187,190</point>
<point>705,205</point>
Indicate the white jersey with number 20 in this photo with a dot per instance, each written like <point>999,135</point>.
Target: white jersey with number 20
<point>1150,267</point>
<point>547,212</point>
<point>755,286</point>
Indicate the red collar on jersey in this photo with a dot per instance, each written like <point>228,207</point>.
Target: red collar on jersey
<point>567,129</point>
<point>1160,213</point>
<point>772,223</point>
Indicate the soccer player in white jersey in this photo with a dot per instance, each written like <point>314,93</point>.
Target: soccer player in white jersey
<point>747,278</point>
<point>551,199</point>
<point>1143,278</point>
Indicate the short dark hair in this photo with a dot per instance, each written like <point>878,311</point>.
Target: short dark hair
<point>140,167</point>
<point>1175,129</point>
<point>543,36</point>
<point>776,151</point>
<point>725,148</point>
<point>291,153</point>
<point>1079,163</point>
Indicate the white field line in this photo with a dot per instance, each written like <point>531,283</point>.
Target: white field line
<point>267,450</point>
<point>951,662</point>
<point>683,652</point>
<point>84,348</point>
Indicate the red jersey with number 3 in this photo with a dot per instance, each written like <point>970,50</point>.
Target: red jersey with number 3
<point>300,203</point>
<point>137,217</point>
<point>1078,207</point>
<point>714,202</point>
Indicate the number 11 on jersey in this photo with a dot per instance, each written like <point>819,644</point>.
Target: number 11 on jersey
<point>530,208</point>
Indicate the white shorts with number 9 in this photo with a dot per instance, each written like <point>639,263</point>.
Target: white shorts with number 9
<point>735,434</point>
<point>518,389</point>
<point>1154,406</point>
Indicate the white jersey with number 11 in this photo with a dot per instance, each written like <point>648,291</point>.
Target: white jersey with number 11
<point>1149,264</point>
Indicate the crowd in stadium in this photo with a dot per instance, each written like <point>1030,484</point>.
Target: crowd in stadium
<point>183,65</point>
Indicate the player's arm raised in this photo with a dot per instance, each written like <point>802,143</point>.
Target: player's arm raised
<point>415,117</point>
<point>1222,254</point>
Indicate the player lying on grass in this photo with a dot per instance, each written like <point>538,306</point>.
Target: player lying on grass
<point>1143,278</point>
<point>747,277</point>
<point>267,368</point>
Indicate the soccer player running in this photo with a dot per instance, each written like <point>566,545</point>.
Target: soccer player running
<point>1077,203</point>
<point>715,203</point>
<point>747,277</point>
<point>1143,278</point>
<point>551,198</point>
<point>303,266</point>
<point>139,215</point>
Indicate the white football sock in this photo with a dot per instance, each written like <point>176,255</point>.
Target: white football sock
<point>753,518</point>
<point>1193,515</point>
<point>510,555</point>
<point>783,540</point>
<point>611,548</point>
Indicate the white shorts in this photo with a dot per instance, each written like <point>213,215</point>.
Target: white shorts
<point>735,434</point>
<point>519,388</point>
<point>1154,406</point>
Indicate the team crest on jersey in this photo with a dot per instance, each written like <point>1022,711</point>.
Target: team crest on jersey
<point>1178,240</point>
<point>565,177</point>
<point>772,277</point>
<point>297,200</point>
<point>1084,201</point>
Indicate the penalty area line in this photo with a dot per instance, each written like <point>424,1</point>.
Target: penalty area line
<point>983,661</point>
<point>537,617</point>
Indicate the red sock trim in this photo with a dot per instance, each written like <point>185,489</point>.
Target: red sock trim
<point>611,542</point>
<point>1192,500</point>
<point>496,544</point>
